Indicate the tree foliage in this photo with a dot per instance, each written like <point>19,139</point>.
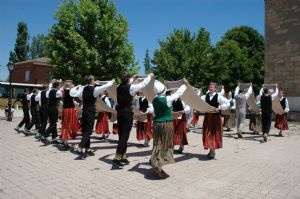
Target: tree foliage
<point>21,49</point>
<point>237,57</point>
<point>89,37</point>
<point>184,54</point>
<point>37,48</point>
<point>240,54</point>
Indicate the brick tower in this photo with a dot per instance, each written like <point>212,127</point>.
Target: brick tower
<point>282,49</point>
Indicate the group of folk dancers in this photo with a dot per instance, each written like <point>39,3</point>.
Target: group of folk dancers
<point>78,115</point>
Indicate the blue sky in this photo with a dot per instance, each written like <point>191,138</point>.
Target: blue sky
<point>149,20</point>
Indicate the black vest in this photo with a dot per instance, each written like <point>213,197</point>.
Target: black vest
<point>124,98</point>
<point>53,101</point>
<point>68,100</point>
<point>177,105</point>
<point>282,102</point>
<point>88,99</point>
<point>34,104</point>
<point>213,102</point>
<point>44,99</point>
<point>266,104</point>
<point>144,105</point>
<point>25,102</point>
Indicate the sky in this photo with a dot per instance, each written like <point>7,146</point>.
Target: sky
<point>148,20</point>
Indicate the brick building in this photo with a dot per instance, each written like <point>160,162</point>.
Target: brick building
<point>282,49</point>
<point>35,71</point>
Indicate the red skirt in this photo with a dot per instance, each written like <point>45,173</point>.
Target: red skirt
<point>212,131</point>
<point>102,123</point>
<point>115,128</point>
<point>69,126</point>
<point>180,131</point>
<point>281,122</point>
<point>195,118</point>
<point>146,127</point>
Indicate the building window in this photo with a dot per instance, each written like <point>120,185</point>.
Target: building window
<point>27,75</point>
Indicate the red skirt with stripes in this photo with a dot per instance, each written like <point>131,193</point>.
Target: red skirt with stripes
<point>195,118</point>
<point>69,126</point>
<point>180,131</point>
<point>281,122</point>
<point>102,123</point>
<point>212,131</point>
<point>144,128</point>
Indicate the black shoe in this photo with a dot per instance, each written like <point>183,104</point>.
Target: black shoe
<point>265,138</point>
<point>211,156</point>
<point>240,135</point>
<point>180,150</point>
<point>90,153</point>
<point>65,147</point>
<point>45,141</point>
<point>118,162</point>
<point>125,161</point>
<point>280,134</point>
<point>82,156</point>
<point>17,129</point>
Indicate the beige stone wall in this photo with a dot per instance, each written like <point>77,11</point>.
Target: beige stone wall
<point>282,47</point>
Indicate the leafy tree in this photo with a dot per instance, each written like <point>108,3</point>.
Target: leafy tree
<point>184,54</point>
<point>13,57</point>
<point>247,50</point>
<point>230,67</point>
<point>147,63</point>
<point>37,48</point>
<point>90,37</point>
<point>21,49</point>
<point>201,59</point>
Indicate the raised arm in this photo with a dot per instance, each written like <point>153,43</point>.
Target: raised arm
<point>261,92</point>
<point>236,91</point>
<point>76,91</point>
<point>222,91</point>
<point>100,89</point>
<point>135,88</point>
<point>274,95</point>
<point>249,92</point>
<point>176,95</point>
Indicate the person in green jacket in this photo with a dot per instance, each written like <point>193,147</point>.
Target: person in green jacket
<point>163,130</point>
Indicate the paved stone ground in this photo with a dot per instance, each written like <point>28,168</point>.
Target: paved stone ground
<point>244,168</point>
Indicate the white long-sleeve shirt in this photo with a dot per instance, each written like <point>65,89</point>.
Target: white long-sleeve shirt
<point>134,88</point>
<point>187,108</point>
<point>247,95</point>
<point>38,98</point>
<point>75,92</point>
<point>223,102</point>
